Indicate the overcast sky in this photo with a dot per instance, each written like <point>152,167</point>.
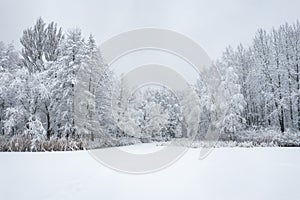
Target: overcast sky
<point>214,24</point>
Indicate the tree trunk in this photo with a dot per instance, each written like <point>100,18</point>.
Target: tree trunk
<point>298,98</point>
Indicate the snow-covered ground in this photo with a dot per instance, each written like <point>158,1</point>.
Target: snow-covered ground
<point>227,173</point>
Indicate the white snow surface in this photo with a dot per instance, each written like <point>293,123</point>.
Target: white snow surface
<point>227,173</point>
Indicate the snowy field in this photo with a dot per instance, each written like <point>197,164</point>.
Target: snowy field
<point>227,173</point>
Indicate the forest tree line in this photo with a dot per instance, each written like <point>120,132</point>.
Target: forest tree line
<point>38,84</point>
<point>267,73</point>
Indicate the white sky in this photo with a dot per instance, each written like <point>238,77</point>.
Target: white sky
<point>213,24</point>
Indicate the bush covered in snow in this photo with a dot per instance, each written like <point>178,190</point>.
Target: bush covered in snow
<point>28,143</point>
<point>250,138</point>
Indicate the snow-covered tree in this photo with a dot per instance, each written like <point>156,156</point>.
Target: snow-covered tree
<point>74,52</point>
<point>40,44</point>
<point>34,42</point>
<point>233,120</point>
<point>9,60</point>
<point>171,105</point>
<point>92,92</point>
